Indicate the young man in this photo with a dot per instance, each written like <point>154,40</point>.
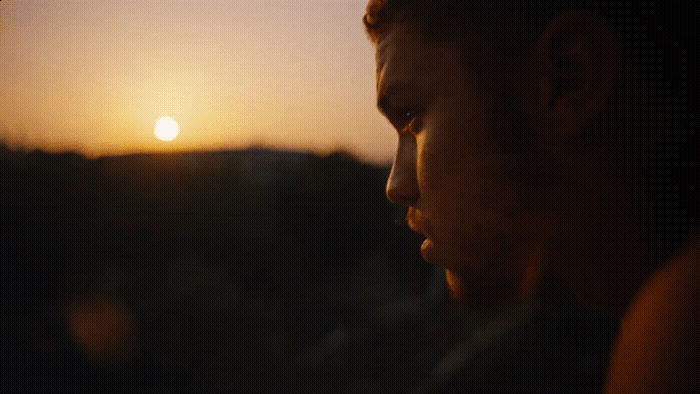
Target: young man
<point>533,154</point>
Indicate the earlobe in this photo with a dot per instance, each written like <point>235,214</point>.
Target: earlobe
<point>579,57</point>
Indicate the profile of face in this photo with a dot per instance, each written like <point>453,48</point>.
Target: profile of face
<point>450,171</point>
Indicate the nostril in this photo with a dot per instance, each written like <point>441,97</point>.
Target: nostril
<point>400,193</point>
<point>393,197</point>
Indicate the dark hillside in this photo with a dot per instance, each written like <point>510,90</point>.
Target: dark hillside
<point>224,271</point>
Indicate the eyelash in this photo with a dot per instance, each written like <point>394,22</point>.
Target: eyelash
<point>407,119</point>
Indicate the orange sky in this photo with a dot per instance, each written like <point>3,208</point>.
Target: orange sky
<point>94,76</point>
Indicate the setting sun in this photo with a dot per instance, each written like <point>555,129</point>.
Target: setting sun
<point>166,129</point>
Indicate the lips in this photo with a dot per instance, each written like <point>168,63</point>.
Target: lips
<point>417,222</point>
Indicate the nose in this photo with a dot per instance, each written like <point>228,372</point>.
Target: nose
<point>402,185</point>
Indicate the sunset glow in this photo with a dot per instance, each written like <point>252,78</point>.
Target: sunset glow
<point>92,76</point>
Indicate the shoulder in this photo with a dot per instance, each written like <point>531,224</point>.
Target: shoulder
<point>658,346</point>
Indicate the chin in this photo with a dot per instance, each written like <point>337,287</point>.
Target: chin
<point>479,294</point>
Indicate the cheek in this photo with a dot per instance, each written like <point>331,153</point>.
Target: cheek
<point>452,150</point>
<point>441,163</point>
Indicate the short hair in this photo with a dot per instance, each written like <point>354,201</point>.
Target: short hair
<point>653,31</point>
<point>659,38</point>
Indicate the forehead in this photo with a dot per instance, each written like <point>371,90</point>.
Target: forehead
<point>404,57</point>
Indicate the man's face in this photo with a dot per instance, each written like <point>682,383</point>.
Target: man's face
<point>450,171</point>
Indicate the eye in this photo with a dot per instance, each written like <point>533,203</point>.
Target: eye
<point>406,114</point>
<point>405,119</point>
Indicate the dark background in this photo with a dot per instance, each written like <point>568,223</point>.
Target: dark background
<point>253,270</point>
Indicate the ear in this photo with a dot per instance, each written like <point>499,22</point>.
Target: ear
<point>579,57</point>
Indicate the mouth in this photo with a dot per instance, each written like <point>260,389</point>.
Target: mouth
<point>417,222</point>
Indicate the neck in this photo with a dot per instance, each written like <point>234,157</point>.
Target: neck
<point>607,268</point>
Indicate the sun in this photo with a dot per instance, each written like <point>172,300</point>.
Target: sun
<point>166,129</point>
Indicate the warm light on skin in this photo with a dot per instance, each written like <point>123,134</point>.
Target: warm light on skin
<point>166,129</point>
